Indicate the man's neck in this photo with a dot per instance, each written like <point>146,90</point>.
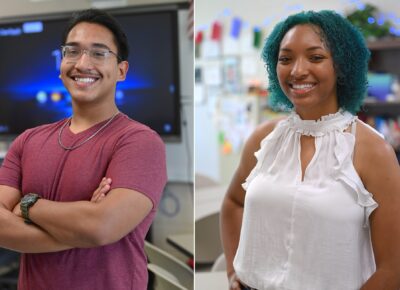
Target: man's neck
<point>85,117</point>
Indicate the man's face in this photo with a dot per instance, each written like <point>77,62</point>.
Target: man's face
<point>90,80</point>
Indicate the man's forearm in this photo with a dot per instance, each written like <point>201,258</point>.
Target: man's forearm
<point>75,223</point>
<point>16,235</point>
<point>87,224</point>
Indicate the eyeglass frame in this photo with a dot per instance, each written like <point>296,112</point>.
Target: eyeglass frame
<point>88,52</point>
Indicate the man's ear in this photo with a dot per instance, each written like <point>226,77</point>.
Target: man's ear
<point>123,67</point>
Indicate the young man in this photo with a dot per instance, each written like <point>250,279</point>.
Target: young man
<point>73,232</point>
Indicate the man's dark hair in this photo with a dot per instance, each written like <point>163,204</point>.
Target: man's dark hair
<point>102,18</point>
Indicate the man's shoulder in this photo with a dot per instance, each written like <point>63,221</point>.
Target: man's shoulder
<point>133,128</point>
<point>51,128</point>
<point>132,124</point>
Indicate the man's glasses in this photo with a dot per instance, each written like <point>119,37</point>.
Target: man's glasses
<point>97,55</point>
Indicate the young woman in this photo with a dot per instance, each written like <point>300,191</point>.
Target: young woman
<point>314,203</point>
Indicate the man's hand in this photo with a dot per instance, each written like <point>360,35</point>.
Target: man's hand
<point>17,210</point>
<point>100,193</point>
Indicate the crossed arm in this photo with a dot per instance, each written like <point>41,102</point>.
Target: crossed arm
<point>16,235</point>
<point>65,225</point>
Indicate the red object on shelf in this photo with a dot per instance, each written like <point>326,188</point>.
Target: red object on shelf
<point>216,31</point>
<point>199,37</point>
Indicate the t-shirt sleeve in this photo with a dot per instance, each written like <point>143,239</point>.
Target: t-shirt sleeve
<point>11,171</point>
<point>139,163</point>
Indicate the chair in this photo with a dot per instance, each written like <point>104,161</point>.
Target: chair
<point>204,181</point>
<point>208,242</point>
<point>164,279</point>
<point>219,264</point>
<point>172,269</point>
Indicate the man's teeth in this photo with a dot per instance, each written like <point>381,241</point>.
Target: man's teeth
<point>85,80</point>
<point>302,86</point>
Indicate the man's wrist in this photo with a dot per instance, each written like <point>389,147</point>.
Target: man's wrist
<point>27,202</point>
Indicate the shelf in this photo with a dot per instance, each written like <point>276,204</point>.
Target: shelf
<point>385,109</point>
<point>384,44</point>
<point>382,109</point>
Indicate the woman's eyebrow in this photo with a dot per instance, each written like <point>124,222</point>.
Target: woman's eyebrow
<point>309,48</point>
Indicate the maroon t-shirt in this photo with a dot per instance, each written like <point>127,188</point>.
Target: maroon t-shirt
<point>131,154</point>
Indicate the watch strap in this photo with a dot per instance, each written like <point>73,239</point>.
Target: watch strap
<point>27,202</point>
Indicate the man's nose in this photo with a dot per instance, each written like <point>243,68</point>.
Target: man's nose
<point>84,60</point>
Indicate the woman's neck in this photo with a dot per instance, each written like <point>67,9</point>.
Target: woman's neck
<point>316,113</point>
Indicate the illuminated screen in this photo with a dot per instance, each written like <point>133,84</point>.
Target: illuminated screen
<point>32,94</point>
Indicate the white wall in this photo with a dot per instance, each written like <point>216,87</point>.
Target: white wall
<point>207,155</point>
<point>180,155</point>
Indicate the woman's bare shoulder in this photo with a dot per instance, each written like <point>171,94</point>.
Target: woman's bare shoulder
<point>371,150</point>
<point>370,142</point>
<point>253,143</point>
<point>262,131</point>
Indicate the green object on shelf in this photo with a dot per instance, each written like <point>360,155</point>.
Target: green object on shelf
<point>366,20</point>
<point>257,37</point>
<point>221,137</point>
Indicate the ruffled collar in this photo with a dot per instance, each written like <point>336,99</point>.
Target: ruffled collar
<point>338,121</point>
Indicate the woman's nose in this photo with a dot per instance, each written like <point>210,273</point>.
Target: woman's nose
<point>299,69</point>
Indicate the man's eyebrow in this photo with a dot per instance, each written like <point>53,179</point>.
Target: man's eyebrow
<point>72,43</point>
<point>97,45</point>
<point>100,45</point>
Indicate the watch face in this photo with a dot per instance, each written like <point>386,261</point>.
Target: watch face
<point>29,198</point>
<point>32,198</point>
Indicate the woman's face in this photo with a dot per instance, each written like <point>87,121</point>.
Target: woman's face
<point>306,73</point>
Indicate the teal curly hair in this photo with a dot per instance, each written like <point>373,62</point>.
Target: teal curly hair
<point>348,49</point>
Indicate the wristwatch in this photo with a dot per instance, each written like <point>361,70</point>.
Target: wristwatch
<point>26,202</point>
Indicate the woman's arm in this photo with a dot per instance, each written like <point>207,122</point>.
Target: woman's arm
<point>232,206</point>
<point>380,172</point>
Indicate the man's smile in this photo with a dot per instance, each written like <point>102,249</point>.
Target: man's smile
<point>84,80</point>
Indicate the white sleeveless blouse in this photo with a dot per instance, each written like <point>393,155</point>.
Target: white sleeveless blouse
<point>312,234</point>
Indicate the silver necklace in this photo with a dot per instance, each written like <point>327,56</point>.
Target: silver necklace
<point>87,139</point>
